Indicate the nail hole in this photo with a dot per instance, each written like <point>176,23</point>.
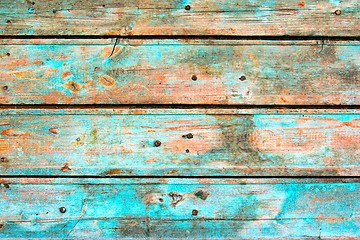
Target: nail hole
<point>32,3</point>
<point>2,159</point>
<point>195,212</point>
<point>103,5</point>
<point>8,54</point>
<point>161,200</point>
<point>5,88</point>
<point>187,7</point>
<point>194,77</point>
<point>8,21</point>
<point>54,10</point>
<point>157,143</point>
<point>62,209</point>
<point>242,78</point>
<point>337,12</point>
<point>187,150</point>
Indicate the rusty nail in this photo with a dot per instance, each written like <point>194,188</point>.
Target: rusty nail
<point>337,12</point>
<point>157,143</point>
<point>187,7</point>
<point>242,78</point>
<point>187,150</point>
<point>161,200</point>
<point>3,159</point>
<point>188,136</point>
<point>5,88</point>
<point>194,77</point>
<point>62,209</point>
<point>195,212</point>
<point>6,185</point>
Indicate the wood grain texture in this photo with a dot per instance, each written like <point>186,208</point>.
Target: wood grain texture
<point>88,142</point>
<point>205,17</point>
<point>180,208</point>
<point>161,72</point>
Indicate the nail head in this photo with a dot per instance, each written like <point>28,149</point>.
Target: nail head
<point>194,78</point>
<point>5,88</point>
<point>157,143</point>
<point>337,12</point>
<point>242,78</point>
<point>195,212</point>
<point>187,7</point>
<point>62,209</point>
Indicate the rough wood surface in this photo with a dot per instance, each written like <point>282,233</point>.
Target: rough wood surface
<point>179,208</point>
<point>226,72</point>
<point>88,142</point>
<point>203,17</point>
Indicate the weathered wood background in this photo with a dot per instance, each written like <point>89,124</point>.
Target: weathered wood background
<point>180,119</point>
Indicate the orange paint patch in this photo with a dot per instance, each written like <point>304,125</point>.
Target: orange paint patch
<point>65,168</point>
<point>73,86</point>
<point>11,133</point>
<point>114,172</point>
<point>107,81</point>
<point>28,75</point>
<point>345,140</point>
<point>302,4</point>
<point>152,160</point>
<point>296,140</point>
<point>66,75</point>
<point>54,130</point>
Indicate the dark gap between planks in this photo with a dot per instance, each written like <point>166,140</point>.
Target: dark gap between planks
<point>180,177</point>
<point>193,37</point>
<point>171,106</point>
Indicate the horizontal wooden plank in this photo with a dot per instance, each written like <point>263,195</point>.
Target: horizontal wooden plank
<point>225,72</point>
<point>179,208</point>
<point>196,17</point>
<point>55,143</point>
<point>55,110</point>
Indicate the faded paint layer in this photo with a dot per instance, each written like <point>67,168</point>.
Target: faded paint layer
<point>181,72</point>
<point>51,143</point>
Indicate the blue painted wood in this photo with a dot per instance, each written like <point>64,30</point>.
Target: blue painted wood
<point>226,72</point>
<point>212,143</point>
<point>179,208</point>
<point>180,17</point>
